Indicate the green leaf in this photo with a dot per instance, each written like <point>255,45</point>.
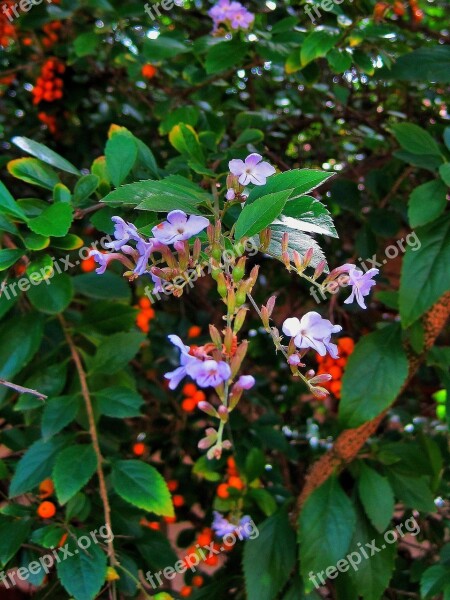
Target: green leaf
<point>274,551</point>
<point>316,44</point>
<point>425,273</point>
<point>116,351</point>
<point>40,269</point>
<point>433,581</point>
<point>108,317</point>
<point>300,181</point>
<point>119,402</point>
<point>371,576</point>
<point>83,573</point>
<point>27,335</point>
<point>35,466</point>
<point>414,139</point>
<point>163,47</point>
<point>426,203</point>
<point>379,358</point>
<point>61,193</point>
<point>33,171</point>
<point>74,466</point>
<point>107,287</point>
<point>172,193</point>
<point>339,60</point>
<point>413,491</point>
<point>298,241</point>
<point>53,297</point>
<point>225,55</point>
<point>9,257</point>
<point>13,533</point>
<point>54,220</point>
<point>58,413</point>
<point>260,214</point>
<point>142,485</point>
<point>428,64</point>
<point>311,214</point>
<point>326,526</point>
<point>34,241</point>
<point>9,206</point>
<point>45,154</point>
<point>377,497</point>
<point>86,44</point>
<point>444,172</point>
<point>85,187</point>
<point>121,153</point>
<point>363,62</point>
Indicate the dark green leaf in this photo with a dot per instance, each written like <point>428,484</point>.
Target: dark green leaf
<point>119,402</point>
<point>74,466</point>
<point>260,214</point>
<point>377,497</point>
<point>53,221</point>
<point>58,413</point>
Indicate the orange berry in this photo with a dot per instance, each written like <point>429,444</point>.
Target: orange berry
<point>197,581</point>
<point>335,372</point>
<point>199,396</point>
<point>172,484</point>
<point>212,561</point>
<point>417,15</point>
<point>222,491</point>
<point>149,313</point>
<point>46,488</point>
<point>139,449</point>
<point>319,358</point>
<point>145,303</point>
<point>178,500</point>
<point>142,323</point>
<point>189,389</point>
<point>170,519</point>
<point>236,482</point>
<point>27,41</point>
<point>205,537</point>
<point>154,525</point>
<point>57,94</point>
<point>88,264</point>
<point>188,405</point>
<point>46,510</point>
<point>185,591</point>
<point>63,540</point>
<point>194,331</point>
<point>148,71</point>
<point>346,344</point>
<point>335,388</point>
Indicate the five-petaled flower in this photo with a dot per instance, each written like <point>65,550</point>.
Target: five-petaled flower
<point>179,227</point>
<point>232,13</point>
<point>123,232</point>
<point>312,331</point>
<point>252,170</point>
<point>361,284</point>
<point>223,527</point>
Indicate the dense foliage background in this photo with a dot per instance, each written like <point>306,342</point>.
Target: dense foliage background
<point>95,94</point>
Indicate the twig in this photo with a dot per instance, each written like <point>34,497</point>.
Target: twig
<point>21,389</point>
<point>93,432</point>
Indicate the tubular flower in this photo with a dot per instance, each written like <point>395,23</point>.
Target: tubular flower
<point>252,170</point>
<point>361,284</point>
<point>312,331</point>
<point>179,227</point>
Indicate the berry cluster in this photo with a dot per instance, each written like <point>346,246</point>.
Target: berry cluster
<point>51,31</point>
<point>7,30</point>
<point>192,396</point>
<point>335,366</point>
<point>49,87</point>
<point>399,9</point>
<point>46,509</point>
<point>232,480</point>
<point>145,315</point>
<point>50,121</point>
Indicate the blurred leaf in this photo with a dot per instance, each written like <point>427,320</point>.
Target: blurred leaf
<point>54,296</point>
<point>377,497</point>
<point>225,55</point>
<point>58,413</point>
<point>45,154</point>
<point>119,402</point>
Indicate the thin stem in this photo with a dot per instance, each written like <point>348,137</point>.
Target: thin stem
<point>21,389</point>
<point>93,433</point>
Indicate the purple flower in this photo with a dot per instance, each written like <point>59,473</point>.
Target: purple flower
<point>103,259</point>
<point>231,194</point>
<point>233,13</point>
<point>242,18</point>
<point>144,250</point>
<point>158,287</point>
<point>361,284</point>
<point>294,360</point>
<point>223,527</point>
<point>312,332</point>
<point>186,360</point>
<point>209,373</point>
<point>245,382</point>
<point>123,232</point>
<point>179,227</point>
<point>252,170</point>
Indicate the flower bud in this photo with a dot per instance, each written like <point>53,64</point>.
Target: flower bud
<point>271,304</point>
<point>231,301</point>
<point>285,242</point>
<point>308,257</point>
<point>223,413</point>
<point>265,317</point>
<point>228,340</point>
<point>320,379</point>
<point>286,260</point>
<point>208,408</point>
<point>210,233</point>
<point>297,261</point>
<point>216,251</point>
<point>215,336</point>
<point>319,392</point>
<point>238,358</point>
<point>222,287</point>
<point>196,250</point>
<point>265,236</point>
<point>239,319</point>
<point>319,269</point>
<point>239,270</point>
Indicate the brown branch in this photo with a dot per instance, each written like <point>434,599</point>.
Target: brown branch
<point>21,389</point>
<point>350,441</point>
<point>93,432</point>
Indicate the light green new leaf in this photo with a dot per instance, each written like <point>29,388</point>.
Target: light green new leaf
<point>33,171</point>
<point>9,206</point>
<point>316,44</point>
<point>121,153</point>
<point>142,485</point>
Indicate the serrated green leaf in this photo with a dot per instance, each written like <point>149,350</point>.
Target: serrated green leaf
<point>74,466</point>
<point>260,214</point>
<point>54,220</point>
